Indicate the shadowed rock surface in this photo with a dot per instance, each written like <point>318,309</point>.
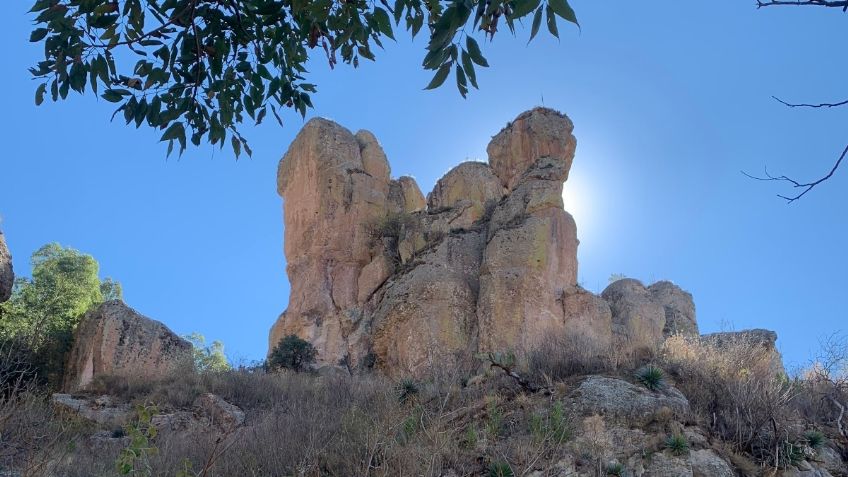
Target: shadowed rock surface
<point>7,275</point>
<point>113,339</point>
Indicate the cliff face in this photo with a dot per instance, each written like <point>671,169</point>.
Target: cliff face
<point>382,278</point>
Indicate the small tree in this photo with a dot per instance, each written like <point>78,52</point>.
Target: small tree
<point>292,353</point>
<point>207,358</point>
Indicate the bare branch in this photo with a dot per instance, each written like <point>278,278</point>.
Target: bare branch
<point>843,4</point>
<point>810,105</point>
<point>805,186</point>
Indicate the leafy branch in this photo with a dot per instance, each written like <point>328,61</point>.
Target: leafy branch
<point>197,69</point>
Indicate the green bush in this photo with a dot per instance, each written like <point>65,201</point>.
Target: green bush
<point>500,469</point>
<point>407,389</point>
<point>292,353</point>
<point>615,469</point>
<point>814,439</point>
<point>677,444</point>
<point>651,377</point>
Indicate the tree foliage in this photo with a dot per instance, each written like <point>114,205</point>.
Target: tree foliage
<point>196,69</point>
<point>44,310</point>
<point>292,353</point>
<point>208,358</point>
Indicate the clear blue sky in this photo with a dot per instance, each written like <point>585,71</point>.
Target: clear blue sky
<point>670,100</point>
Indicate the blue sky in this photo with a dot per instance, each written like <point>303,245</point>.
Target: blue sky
<point>670,101</point>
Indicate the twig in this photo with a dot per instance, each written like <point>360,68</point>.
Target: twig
<point>810,105</point>
<point>806,186</point>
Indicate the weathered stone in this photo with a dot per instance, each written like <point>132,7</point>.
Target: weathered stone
<point>679,308</point>
<point>7,274</point>
<point>706,463</point>
<point>663,465</point>
<point>220,413</point>
<point>374,160</point>
<point>620,400</point>
<point>637,319</point>
<point>330,199</point>
<point>405,196</point>
<point>115,340</point>
<point>587,320</point>
<point>472,186</point>
<point>100,411</point>
<point>538,133</point>
<point>427,315</point>
<point>766,340</point>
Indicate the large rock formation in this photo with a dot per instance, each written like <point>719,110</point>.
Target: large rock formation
<point>113,339</point>
<point>7,275</point>
<point>379,277</point>
<point>488,263</point>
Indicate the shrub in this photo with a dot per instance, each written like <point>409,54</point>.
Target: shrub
<point>406,390</point>
<point>500,469</point>
<point>292,353</point>
<point>494,420</point>
<point>615,469</point>
<point>561,356</point>
<point>814,439</point>
<point>677,444</point>
<point>736,389</point>
<point>651,377</point>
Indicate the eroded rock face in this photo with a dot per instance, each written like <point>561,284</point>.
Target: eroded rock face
<point>113,339</point>
<point>7,274</point>
<point>679,308</point>
<point>638,320</point>
<point>382,278</point>
<point>534,134</point>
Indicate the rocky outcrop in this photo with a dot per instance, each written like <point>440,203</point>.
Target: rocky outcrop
<point>487,263</point>
<point>381,277</point>
<point>7,275</point>
<point>115,340</point>
<point>754,339</point>
<point>622,401</point>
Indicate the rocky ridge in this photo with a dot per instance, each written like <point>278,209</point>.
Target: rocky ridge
<point>381,277</point>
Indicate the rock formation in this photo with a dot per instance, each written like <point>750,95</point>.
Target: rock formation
<point>7,275</point>
<point>488,263</point>
<point>113,339</point>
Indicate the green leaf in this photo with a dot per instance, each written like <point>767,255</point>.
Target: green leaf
<point>468,65</point>
<point>112,96</point>
<point>537,22</point>
<point>461,82</point>
<point>474,51</point>
<point>523,7</point>
<point>175,131</point>
<point>384,23</point>
<point>440,77</point>
<point>38,34</point>
<point>236,146</point>
<point>39,94</point>
<point>564,10</point>
<point>552,26</point>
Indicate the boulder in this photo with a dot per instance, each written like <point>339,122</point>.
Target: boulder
<point>587,320</point>
<point>538,133</point>
<point>625,402</point>
<point>706,463</point>
<point>7,274</point>
<point>115,340</point>
<point>664,465</point>
<point>101,410</point>
<point>405,196</point>
<point>764,340</point>
<point>679,308</point>
<point>472,186</point>
<point>638,320</point>
<point>227,417</point>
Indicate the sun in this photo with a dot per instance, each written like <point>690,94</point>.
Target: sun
<point>574,201</point>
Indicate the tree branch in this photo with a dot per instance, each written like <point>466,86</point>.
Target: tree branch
<point>805,186</point>
<point>843,4</point>
<point>810,105</point>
